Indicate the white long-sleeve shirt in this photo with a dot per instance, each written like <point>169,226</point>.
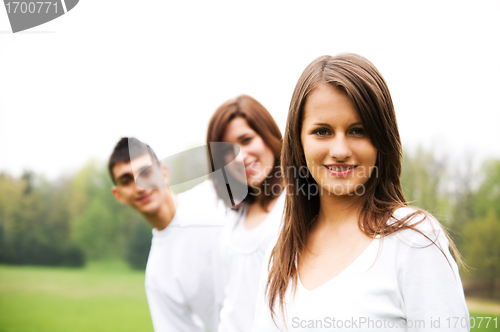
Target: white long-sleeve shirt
<point>242,255</point>
<point>399,283</point>
<point>181,274</point>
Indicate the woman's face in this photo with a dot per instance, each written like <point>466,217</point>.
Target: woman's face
<point>257,157</point>
<point>338,154</point>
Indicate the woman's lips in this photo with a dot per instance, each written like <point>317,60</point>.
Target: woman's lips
<point>250,168</point>
<point>341,173</point>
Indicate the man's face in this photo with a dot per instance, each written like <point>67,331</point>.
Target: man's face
<point>126,191</point>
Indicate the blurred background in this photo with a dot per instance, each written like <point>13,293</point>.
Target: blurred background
<point>72,258</point>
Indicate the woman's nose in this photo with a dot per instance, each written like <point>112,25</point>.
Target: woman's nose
<point>340,149</point>
<point>244,153</point>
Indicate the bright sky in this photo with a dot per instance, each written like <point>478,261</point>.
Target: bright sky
<point>157,70</point>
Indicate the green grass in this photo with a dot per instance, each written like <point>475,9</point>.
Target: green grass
<point>480,325</point>
<point>101,297</point>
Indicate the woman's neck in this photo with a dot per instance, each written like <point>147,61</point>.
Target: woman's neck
<point>259,193</point>
<point>256,213</point>
<point>339,211</point>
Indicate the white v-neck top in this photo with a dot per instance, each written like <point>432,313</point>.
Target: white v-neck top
<point>242,253</point>
<point>399,283</point>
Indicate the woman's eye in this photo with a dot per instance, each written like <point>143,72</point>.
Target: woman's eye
<point>358,131</point>
<point>246,140</point>
<point>321,132</point>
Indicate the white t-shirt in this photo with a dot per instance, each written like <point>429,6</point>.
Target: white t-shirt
<point>399,283</point>
<point>181,273</point>
<point>242,254</point>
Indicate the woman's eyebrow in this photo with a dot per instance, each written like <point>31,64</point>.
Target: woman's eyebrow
<point>320,124</point>
<point>326,124</point>
<point>243,135</point>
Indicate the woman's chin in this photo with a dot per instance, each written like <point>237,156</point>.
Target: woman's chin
<point>255,183</point>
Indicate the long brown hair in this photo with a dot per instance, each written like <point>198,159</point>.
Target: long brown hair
<point>368,91</point>
<point>261,121</point>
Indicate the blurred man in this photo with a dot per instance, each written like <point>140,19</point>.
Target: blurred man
<point>181,269</point>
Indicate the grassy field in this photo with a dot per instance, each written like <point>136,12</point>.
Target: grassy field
<point>103,297</point>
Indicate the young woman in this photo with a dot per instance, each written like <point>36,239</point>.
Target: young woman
<point>245,122</point>
<point>352,255</point>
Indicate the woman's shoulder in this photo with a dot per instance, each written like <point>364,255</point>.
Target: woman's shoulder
<point>421,248</point>
<point>420,227</point>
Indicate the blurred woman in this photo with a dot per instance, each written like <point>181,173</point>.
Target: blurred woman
<point>245,122</point>
<point>352,254</point>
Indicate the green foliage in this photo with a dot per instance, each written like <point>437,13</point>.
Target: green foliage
<point>94,230</point>
<point>481,243</point>
<point>34,222</point>
<point>63,222</point>
<point>488,195</point>
<point>423,180</point>
<point>138,246</point>
<point>482,248</point>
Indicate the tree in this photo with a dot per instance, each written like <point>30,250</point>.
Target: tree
<point>482,248</point>
<point>488,195</point>
<point>35,223</point>
<point>424,181</point>
<point>139,243</point>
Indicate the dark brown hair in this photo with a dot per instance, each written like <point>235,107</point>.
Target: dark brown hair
<point>368,91</point>
<point>121,154</point>
<point>259,119</point>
